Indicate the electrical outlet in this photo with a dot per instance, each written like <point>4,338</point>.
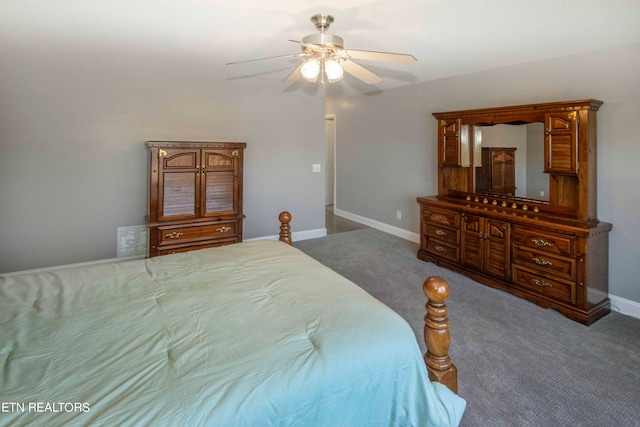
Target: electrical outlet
<point>399,214</point>
<point>317,167</point>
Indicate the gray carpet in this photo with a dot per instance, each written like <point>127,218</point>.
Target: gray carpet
<point>518,364</point>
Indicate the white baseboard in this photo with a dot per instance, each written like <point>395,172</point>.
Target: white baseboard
<point>407,235</point>
<point>625,306</point>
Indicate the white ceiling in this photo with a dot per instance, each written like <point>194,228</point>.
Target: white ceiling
<point>448,37</point>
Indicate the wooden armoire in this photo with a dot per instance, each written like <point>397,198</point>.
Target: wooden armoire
<point>552,252</point>
<point>497,173</point>
<point>195,195</point>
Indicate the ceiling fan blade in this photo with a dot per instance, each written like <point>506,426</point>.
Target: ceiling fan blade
<point>398,58</point>
<point>360,72</point>
<point>291,55</point>
<point>295,74</point>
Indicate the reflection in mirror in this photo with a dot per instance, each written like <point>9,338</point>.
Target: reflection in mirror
<point>528,140</point>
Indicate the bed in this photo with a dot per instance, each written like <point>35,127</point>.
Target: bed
<point>250,334</point>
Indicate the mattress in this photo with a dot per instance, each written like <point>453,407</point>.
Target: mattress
<point>251,334</point>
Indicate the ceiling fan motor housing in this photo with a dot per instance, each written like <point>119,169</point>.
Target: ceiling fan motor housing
<point>323,40</point>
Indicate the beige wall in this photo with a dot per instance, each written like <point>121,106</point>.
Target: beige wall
<point>386,144</point>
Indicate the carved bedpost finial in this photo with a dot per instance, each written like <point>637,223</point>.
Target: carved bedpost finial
<point>285,228</point>
<point>436,334</point>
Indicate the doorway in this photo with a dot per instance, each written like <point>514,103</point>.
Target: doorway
<point>329,169</point>
<point>334,224</point>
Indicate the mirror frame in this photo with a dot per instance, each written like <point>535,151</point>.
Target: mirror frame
<point>572,193</point>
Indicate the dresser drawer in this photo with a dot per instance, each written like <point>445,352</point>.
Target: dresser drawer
<point>565,291</point>
<point>169,235</point>
<point>545,263</point>
<point>443,250</point>
<point>439,232</point>
<point>547,242</point>
<point>440,217</point>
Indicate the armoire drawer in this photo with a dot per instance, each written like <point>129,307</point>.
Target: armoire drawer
<point>544,241</point>
<point>190,247</point>
<point>565,291</point>
<point>545,263</point>
<point>172,234</point>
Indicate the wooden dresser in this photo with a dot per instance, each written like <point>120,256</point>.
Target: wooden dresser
<point>195,195</point>
<point>554,252</point>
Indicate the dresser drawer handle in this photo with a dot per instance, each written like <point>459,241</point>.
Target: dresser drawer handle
<point>223,229</point>
<point>173,235</point>
<point>440,248</point>
<point>542,261</point>
<point>441,232</point>
<point>541,283</point>
<point>541,243</point>
<point>439,218</point>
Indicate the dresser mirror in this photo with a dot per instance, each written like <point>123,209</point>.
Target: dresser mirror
<point>527,142</point>
<point>567,132</point>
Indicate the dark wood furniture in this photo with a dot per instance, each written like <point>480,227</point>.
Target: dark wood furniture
<point>553,253</point>
<point>285,228</point>
<point>497,173</point>
<point>437,336</point>
<point>195,195</point>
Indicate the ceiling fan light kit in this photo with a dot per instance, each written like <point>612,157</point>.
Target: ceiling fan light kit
<point>334,70</point>
<point>326,55</point>
<point>312,68</point>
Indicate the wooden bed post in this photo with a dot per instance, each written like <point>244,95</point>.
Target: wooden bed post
<point>436,334</point>
<point>285,228</point>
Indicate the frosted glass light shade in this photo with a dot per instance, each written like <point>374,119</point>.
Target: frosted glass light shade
<point>333,69</point>
<point>311,69</point>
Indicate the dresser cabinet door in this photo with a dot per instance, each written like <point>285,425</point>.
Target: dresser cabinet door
<point>561,143</point>
<point>485,245</point>
<point>497,244</point>
<point>472,247</point>
<point>454,143</point>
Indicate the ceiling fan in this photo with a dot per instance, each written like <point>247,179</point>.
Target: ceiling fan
<point>325,55</point>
